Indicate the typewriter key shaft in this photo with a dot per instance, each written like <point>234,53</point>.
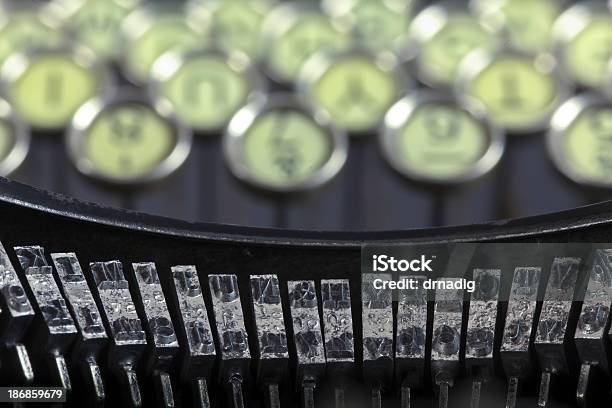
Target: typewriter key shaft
<point>123,325</point>
<point>481,329</point>
<point>307,338</point>
<point>554,318</point>
<point>233,337</point>
<point>272,351</point>
<point>448,315</point>
<point>515,347</point>
<point>590,336</point>
<point>92,337</point>
<point>161,336</point>
<point>338,333</point>
<point>410,338</point>
<point>15,318</point>
<point>377,321</point>
<point>194,328</point>
<point>55,322</point>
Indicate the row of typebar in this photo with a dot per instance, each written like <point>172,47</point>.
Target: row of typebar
<point>204,341</point>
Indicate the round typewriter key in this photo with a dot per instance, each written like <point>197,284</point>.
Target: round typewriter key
<point>436,139</point>
<point>205,88</point>
<point>519,92</point>
<point>580,140</point>
<point>378,25</point>
<point>583,36</point>
<point>439,38</point>
<point>295,31</point>
<point>127,140</point>
<point>47,87</point>
<point>355,89</point>
<point>237,25</point>
<point>14,140</point>
<point>276,144</point>
<point>95,24</point>
<point>26,26</point>
<point>150,31</point>
<point>528,24</point>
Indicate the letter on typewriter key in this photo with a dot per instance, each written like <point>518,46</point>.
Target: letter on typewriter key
<point>338,333</point>
<point>15,317</point>
<point>273,355</point>
<point>56,323</point>
<point>579,141</point>
<point>123,324</point>
<point>262,146</point>
<point>378,25</point>
<point>161,335</point>
<point>440,37</point>
<point>195,328</point>
<point>550,336</point>
<point>377,321</point>
<point>519,92</point>
<point>233,337</point>
<point>96,24</point>
<point>355,89</point>
<point>294,32</point>
<point>410,340</point>
<point>93,336</point>
<point>26,25</point>
<point>590,336</point>
<point>307,337</point>
<point>515,347</point>
<point>430,137</point>
<point>448,314</point>
<point>528,24</point>
<point>53,84</point>
<point>481,329</point>
<point>127,141</point>
<point>237,25</point>
<point>205,87</point>
<point>582,35</point>
<point>155,28</point>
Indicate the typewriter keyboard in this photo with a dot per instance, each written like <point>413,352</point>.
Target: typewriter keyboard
<point>318,115</point>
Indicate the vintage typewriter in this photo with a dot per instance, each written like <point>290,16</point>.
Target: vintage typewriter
<point>273,145</point>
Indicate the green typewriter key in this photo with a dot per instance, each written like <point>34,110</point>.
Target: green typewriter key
<point>583,37</point>
<point>150,31</point>
<point>47,87</point>
<point>276,144</point>
<point>355,89</point>
<point>528,24</point>
<point>205,88</point>
<point>95,24</point>
<point>295,31</point>
<point>127,140</point>
<point>378,25</point>
<point>236,25</point>
<point>14,140</point>
<point>434,138</point>
<point>26,26</point>
<point>520,92</point>
<point>440,37</point>
<point>580,140</point>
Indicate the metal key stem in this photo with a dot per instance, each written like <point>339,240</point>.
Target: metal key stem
<point>307,338</point>
<point>338,333</point>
